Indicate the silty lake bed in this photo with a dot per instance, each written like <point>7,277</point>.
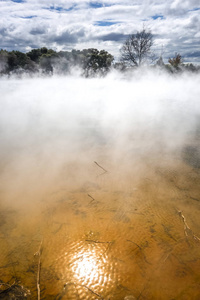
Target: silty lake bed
<point>99,188</point>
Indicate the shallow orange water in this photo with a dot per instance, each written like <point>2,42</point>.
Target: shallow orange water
<point>130,233</point>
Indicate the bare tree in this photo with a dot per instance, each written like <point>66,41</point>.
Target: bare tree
<point>137,48</point>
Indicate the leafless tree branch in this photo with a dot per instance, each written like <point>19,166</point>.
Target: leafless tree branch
<point>137,48</point>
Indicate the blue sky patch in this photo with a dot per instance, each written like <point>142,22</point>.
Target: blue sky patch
<point>195,9</point>
<point>71,8</point>
<point>28,17</point>
<point>60,8</point>
<point>155,17</point>
<point>105,23</point>
<point>18,1</point>
<point>96,4</point>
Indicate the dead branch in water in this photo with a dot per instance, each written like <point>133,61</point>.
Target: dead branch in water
<point>13,290</point>
<point>100,167</point>
<point>195,199</point>
<point>91,198</point>
<point>145,259</point>
<point>134,244</point>
<point>187,230</point>
<point>85,286</point>
<point>98,242</point>
<point>8,287</point>
<point>38,253</point>
<point>141,293</point>
<point>172,249</point>
<point>167,231</point>
<point>92,291</point>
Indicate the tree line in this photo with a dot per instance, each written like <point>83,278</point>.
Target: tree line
<point>47,61</point>
<point>135,52</point>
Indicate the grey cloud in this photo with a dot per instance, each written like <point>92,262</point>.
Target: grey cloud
<point>194,23</point>
<point>194,54</point>
<point>67,37</point>
<point>14,43</point>
<point>3,31</point>
<point>38,31</point>
<point>11,40</point>
<point>113,36</point>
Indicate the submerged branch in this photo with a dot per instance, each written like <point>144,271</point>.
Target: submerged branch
<point>141,293</point>
<point>195,199</point>
<point>38,253</point>
<point>98,242</point>
<point>134,244</point>
<point>13,290</point>
<point>167,231</point>
<point>85,286</point>
<point>9,286</point>
<point>172,249</point>
<point>92,291</point>
<point>145,259</point>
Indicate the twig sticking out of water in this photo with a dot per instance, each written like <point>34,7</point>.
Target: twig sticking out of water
<point>91,198</point>
<point>38,253</point>
<point>187,229</point>
<point>100,167</point>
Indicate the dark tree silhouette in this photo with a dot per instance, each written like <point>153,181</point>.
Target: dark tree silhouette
<point>176,61</point>
<point>137,48</point>
<point>96,61</point>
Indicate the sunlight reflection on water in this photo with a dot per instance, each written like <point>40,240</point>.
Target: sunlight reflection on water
<point>88,267</point>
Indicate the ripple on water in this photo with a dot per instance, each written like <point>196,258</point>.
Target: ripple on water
<point>85,267</point>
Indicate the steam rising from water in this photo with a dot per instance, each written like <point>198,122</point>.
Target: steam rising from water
<point>129,232</point>
<point>47,124</point>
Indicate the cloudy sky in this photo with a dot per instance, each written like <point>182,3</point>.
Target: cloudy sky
<point>103,24</point>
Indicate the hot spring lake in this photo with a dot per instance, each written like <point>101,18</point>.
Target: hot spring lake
<point>100,188</point>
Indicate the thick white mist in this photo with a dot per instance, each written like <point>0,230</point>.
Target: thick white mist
<point>52,129</point>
